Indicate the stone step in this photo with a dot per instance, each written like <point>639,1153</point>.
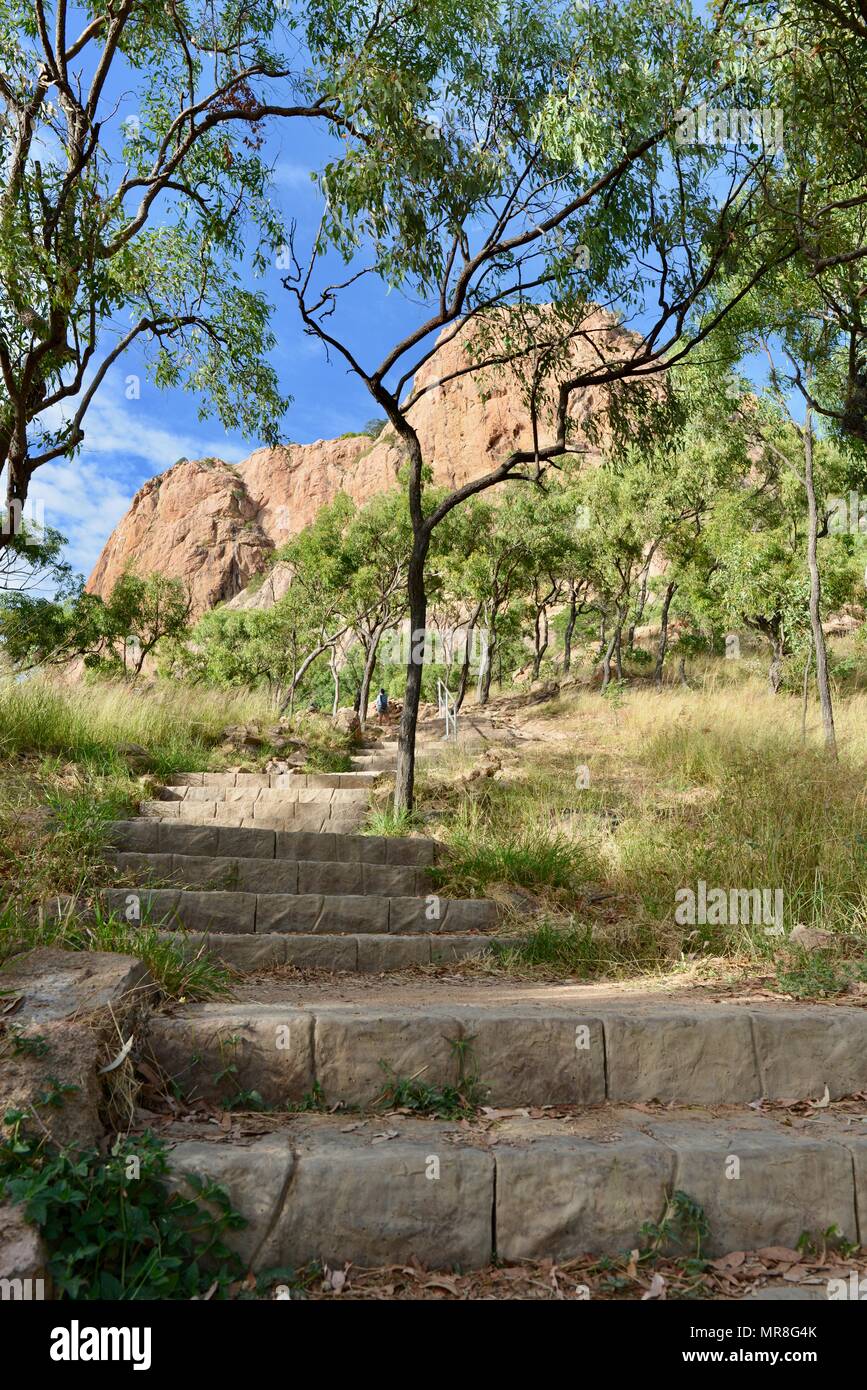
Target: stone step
<point>291,815</point>
<point>276,780</point>
<point>175,837</point>
<point>274,797</point>
<point>244,875</point>
<point>313,914</point>
<point>318,1188</point>
<point>525,1054</point>
<point>365,954</point>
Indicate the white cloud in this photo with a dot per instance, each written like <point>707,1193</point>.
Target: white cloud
<point>295,176</point>
<point>127,429</point>
<point>84,502</point>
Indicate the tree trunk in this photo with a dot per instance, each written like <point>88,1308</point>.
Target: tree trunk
<point>465,664</point>
<point>640,606</point>
<point>618,650</point>
<point>404,776</point>
<point>301,671</point>
<point>606,660</point>
<point>487,671</point>
<point>821,651</point>
<point>335,676</point>
<point>806,691</point>
<point>540,642</point>
<point>367,674</point>
<point>603,625</point>
<point>663,634</point>
<point>570,629</point>
<point>775,673</point>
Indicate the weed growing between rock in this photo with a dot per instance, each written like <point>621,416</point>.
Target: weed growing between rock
<point>114,1227</point>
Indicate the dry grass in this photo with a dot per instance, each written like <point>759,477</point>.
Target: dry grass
<point>712,784</point>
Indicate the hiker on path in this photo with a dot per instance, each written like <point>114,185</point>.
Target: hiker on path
<point>382,706</point>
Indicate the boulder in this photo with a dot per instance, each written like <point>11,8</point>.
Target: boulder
<point>347,721</point>
<point>50,1072</point>
<point>813,938</point>
<point>22,1252</point>
<point>57,984</point>
<point>52,1035</point>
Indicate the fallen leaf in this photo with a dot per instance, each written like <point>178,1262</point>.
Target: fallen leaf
<point>732,1261</point>
<point>656,1290</point>
<point>119,1059</point>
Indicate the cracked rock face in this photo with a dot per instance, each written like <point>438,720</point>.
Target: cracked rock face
<point>51,1045</point>
<point>214,525</point>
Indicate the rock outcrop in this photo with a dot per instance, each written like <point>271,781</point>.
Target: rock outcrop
<point>214,525</point>
<point>195,522</point>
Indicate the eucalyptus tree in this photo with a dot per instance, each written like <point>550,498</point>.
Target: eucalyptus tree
<point>132,140</point>
<point>496,573</point>
<point>536,163</point>
<point>816,56</point>
<point>377,541</point>
<point>115,635</point>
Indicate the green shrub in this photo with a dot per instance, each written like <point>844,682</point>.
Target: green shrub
<point>113,1227</point>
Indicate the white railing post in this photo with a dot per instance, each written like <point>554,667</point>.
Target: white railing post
<point>447,710</point>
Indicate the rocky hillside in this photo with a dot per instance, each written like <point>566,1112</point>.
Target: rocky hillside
<point>213,524</point>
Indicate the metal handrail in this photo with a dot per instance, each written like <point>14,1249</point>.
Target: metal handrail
<point>447,708</point>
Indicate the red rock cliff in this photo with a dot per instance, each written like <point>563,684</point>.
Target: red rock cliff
<point>213,524</point>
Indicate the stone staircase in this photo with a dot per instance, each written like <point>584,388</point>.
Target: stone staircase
<point>268,869</point>
<point>596,1113</point>
<point>598,1104</point>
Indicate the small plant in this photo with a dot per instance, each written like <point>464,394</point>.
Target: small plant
<point>639,656</point>
<point>391,823</point>
<point>298,1282</point>
<point>819,975</point>
<point>113,1227</point>
<point>440,1102</point>
<point>557,951</point>
<point>246,1100</point>
<point>56,1093</point>
<point>312,1100</point>
<point>27,1044</point>
<point>322,759</point>
<point>529,857</point>
<point>179,975</point>
<point>683,1223</point>
<point>614,693</point>
<point>832,1238</point>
